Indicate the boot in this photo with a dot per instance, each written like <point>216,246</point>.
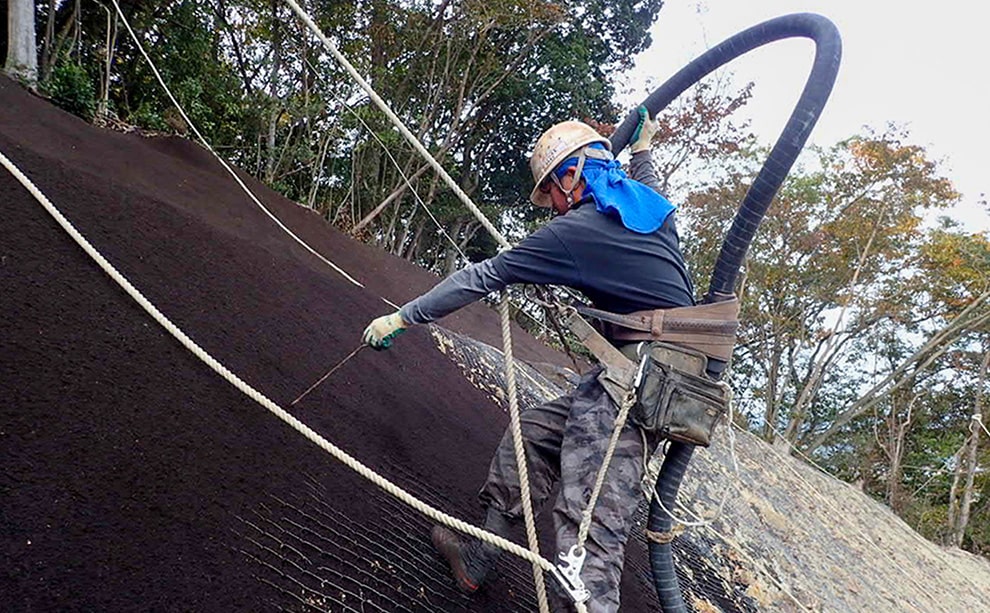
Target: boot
<point>470,560</point>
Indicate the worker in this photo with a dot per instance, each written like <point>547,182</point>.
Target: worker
<point>613,238</point>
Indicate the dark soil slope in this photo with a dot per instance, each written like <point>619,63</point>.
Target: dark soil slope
<point>135,478</point>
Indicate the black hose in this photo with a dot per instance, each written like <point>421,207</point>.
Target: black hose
<point>828,53</point>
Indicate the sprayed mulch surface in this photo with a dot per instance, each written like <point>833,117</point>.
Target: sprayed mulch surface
<point>134,477</point>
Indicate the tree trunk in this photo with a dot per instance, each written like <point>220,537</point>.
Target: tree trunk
<point>897,431</point>
<point>271,161</point>
<point>967,465</point>
<point>111,46</point>
<point>221,14</point>
<point>22,53</point>
<point>450,252</point>
<point>953,514</point>
<point>48,45</point>
<point>398,191</point>
<point>772,400</point>
<point>54,42</point>
<point>967,496</point>
<point>413,250</point>
<point>388,241</point>
<point>318,170</point>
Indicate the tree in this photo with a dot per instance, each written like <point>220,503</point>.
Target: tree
<point>477,82</point>
<point>22,58</point>
<point>960,263</point>
<point>829,265</point>
<point>865,334</point>
<point>961,494</point>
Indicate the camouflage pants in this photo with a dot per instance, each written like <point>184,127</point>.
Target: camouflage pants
<point>566,440</point>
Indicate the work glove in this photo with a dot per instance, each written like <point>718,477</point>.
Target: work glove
<point>645,129</point>
<point>382,331</point>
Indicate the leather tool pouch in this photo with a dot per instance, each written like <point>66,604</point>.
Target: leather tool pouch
<point>675,397</point>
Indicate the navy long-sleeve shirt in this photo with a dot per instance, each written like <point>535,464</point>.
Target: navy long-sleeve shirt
<point>617,269</point>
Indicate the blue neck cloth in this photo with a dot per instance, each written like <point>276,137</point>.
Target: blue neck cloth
<point>638,207</point>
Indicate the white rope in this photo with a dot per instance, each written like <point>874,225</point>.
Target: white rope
<point>409,136</point>
<point>587,515</point>
<point>589,509</point>
<point>510,371</point>
<point>419,199</point>
<point>260,398</point>
<point>398,167</point>
<point>255,199</point>
<point>538,562</point>
<point>223,163</point>
<point>517,442</point>
<point>979,421</point>
<point>503,243</point>
<point>620,422</point>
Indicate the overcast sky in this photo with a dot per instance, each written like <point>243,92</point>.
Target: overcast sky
<point>922,64</point>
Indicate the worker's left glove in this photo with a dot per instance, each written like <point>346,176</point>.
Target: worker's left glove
<point>645,129</point>
<point>382,331</point>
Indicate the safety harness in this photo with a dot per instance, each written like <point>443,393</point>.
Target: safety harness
<point>662,365</point>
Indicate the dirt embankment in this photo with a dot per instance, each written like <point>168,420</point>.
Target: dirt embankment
<point>135,478</point>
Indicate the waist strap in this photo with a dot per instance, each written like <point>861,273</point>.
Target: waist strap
<point>620,369</point>
<point>708,328</point>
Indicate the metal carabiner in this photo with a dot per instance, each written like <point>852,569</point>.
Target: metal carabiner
<point>568,574</point>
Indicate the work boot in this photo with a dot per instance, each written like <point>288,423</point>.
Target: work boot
<point>469,560</point>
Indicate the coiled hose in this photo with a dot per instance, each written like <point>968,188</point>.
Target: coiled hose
<point>828,53</point>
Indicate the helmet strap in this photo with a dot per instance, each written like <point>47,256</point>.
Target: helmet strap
<point>583,155</point>
<point>580,167</point>
<point>569,193</point>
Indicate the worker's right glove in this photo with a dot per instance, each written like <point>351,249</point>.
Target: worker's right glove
<point>382,331</point>
<point>645,129</point>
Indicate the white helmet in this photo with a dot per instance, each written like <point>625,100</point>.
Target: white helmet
<point>556,145</point>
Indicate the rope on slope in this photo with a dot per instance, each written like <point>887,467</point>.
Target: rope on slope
<point>223,163</point>
<point>485,222</point>
<point>251,194</point>
<point>437,515</point>
<point>503,243</point>
<point>419,199</point>
<point>517,442</point>
<point>260,398</point>
<point>506,336</point>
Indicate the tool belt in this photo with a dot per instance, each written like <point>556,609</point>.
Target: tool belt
<point>674,396</point>
<point>707,328</point>
<point>667,384</point>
